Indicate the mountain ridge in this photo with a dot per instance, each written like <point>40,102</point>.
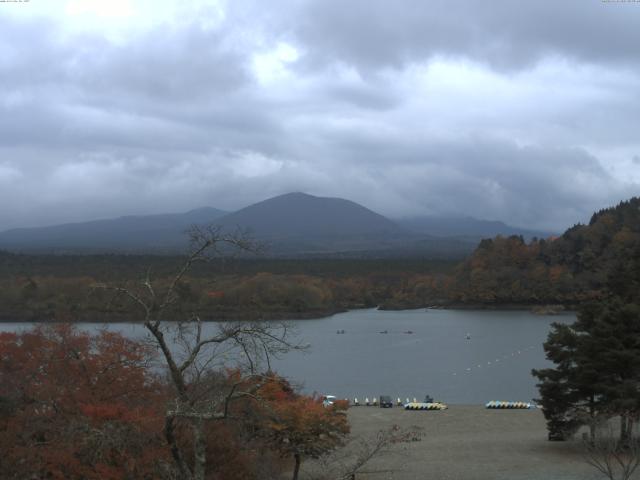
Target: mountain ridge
<point>295,224</point>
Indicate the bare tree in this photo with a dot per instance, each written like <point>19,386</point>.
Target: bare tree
<point>192,350</point>
<point>357,454</point>
<point>614,458</point>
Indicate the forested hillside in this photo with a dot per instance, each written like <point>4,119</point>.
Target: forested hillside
<point>579,265</point>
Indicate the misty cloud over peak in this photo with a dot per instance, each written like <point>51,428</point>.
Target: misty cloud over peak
<point>519,112</point>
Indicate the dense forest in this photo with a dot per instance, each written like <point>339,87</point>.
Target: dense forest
<point>504,271</point>
<point>49,287</point>
<point>577,266</point>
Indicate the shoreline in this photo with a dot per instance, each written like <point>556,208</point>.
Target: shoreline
<point>309,315</point>
<point>267,317</point>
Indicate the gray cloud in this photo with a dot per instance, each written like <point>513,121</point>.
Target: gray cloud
<point>375,33</point>
<point>520,112</point>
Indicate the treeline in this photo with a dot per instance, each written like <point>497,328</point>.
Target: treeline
<point>63,288</point>
<point>571,269</point>
<point>109,267</point>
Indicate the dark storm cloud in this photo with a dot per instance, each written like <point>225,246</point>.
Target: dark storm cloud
<point>84,88</point>
<point>522,112</point>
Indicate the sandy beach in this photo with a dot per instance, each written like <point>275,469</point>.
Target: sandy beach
<point>471,443</point>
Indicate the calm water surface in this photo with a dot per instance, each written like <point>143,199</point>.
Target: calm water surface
<point>437,358</point>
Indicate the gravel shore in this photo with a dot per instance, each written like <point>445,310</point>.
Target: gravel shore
<point>471,443</point>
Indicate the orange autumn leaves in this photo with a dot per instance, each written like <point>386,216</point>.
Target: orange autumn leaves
<point>77,406</point>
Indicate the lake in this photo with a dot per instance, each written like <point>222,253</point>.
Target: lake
<point>437,358</point>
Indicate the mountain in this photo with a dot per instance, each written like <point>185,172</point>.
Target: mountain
<point>302,224</point>
<point>469,227</point>
<point>299,215</point>
<point>130,233</point>
<point>294,224</point>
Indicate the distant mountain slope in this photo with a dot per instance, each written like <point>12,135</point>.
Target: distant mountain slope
<point>135,233</point>
<point>298,224</point>
<point>299,215</point>
<point>465,227</point>
<point>294,224</point>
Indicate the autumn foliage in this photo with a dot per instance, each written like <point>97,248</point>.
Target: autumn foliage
<point>81,406</point>
<point>77,406</point>
<point>300,426</point>
<point>581,265</point>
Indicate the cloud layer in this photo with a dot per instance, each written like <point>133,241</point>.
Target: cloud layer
<point>523,112</point>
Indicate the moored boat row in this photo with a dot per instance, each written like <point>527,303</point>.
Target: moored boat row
<point>508,405</point>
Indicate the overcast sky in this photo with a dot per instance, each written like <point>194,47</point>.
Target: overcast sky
<point>521,111</point>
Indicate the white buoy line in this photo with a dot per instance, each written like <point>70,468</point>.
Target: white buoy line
<point>497,360</point>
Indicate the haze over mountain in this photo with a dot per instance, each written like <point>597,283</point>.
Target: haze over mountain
<point>290,224</point>
<point>470,227</point>
<point>135,233</point>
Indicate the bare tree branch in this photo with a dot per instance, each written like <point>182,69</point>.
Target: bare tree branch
<point>616,460</point>
<point>190,357</point>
